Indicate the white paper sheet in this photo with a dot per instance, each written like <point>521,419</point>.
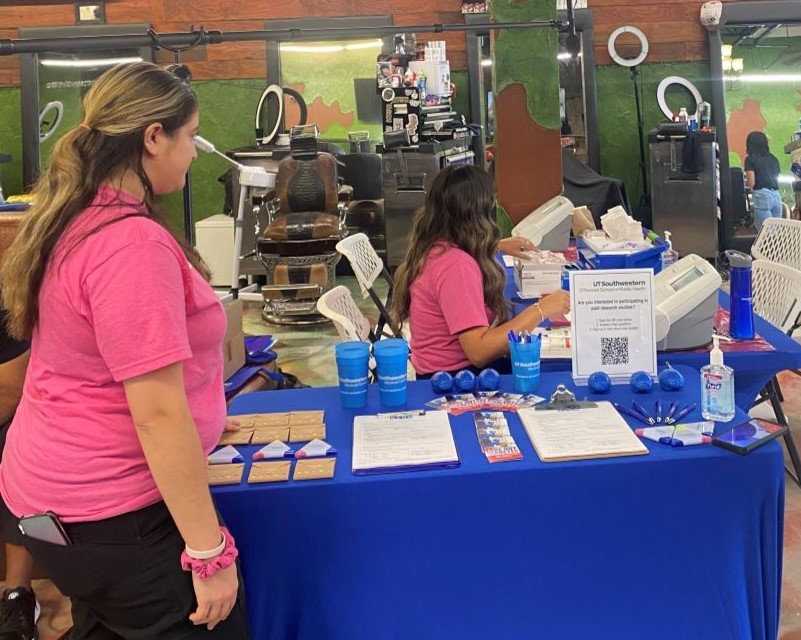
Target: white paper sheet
<point>597,432</point>
<point>402,440</point>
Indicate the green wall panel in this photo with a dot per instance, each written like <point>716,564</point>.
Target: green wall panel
<point>528,57</point>
<point>10,141</point>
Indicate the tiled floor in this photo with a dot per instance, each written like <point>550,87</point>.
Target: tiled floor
<point>308,353</point>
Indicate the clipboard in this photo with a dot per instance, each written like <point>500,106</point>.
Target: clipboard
<point>566,429</point>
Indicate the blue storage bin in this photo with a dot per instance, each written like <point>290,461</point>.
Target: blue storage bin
<point>646,259</point>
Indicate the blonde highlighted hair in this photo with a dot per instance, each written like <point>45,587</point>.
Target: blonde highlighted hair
<point>116,112</point>
<point>459,210</point>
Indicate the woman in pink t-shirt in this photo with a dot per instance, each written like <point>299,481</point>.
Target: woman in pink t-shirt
<point>450,285</point>
<point>105,461</point>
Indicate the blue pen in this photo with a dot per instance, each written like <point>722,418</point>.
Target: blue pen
<point>682,413</point>
<point>641,410</point>
<point>658,411</point>
<point>630,413</point>
<point>673,407</point>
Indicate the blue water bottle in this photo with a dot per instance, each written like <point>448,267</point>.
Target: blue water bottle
<point>741,306</point>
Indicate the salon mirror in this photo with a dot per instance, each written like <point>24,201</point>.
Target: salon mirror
<point>53,85</point>
<point>759,93</point>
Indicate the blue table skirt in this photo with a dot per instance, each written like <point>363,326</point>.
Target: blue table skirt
<point>752,369</point>
<point>681,543</point>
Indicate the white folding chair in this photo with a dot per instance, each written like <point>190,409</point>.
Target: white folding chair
<point>338,305</point>
<point>368,266</point>
<point>779,241</point>
<point>776,291</point>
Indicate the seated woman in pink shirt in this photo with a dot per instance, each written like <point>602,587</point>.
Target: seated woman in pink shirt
<point>123,397</point>
<point>450,285</point>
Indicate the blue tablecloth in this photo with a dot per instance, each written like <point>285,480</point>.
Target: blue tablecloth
<point>681,543</point>
<point>752,369</point>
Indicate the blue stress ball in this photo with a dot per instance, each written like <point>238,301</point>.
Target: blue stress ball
<point>489,380</point>
<point>442,382</point>
<point>465,381</point>
<point>641,382</point>
<point>671,380</point>
<point>599,382</point>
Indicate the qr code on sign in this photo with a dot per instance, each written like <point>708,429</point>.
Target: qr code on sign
<point>614,350</point>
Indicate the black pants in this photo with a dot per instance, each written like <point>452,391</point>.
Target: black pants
<point>125,580</point>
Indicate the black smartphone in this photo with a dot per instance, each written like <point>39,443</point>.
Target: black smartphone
<point>748,436</point>
<point>45,527</point>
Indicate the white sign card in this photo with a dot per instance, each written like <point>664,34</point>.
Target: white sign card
<point>613,327</point>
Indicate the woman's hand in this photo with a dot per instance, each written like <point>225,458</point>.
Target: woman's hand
<point>516,246</point>
<point>215,597</point>
<point>555,305</point>
<point>231,424</point>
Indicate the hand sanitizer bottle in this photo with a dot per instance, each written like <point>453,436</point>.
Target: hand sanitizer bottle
<point>669,256</point>
<point>717,387</point>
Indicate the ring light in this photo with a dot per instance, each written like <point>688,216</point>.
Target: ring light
<point>626,62</point>
<point>275,90</point>
<point>56,107</point>
<point>662,88</point>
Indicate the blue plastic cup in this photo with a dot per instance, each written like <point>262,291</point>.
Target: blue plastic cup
<point>390,358</point>
<point>352,366</point>
<point>525,365</point>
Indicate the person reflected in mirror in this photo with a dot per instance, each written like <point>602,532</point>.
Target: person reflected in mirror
<point>762,177</point>
<point>449,287</point>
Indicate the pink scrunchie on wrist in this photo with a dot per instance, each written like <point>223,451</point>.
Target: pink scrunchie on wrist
<point>205,569</point>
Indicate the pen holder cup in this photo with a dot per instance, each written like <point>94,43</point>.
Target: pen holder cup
<point>525,365</point>
<point>391,356</point>
<point>352,367</point>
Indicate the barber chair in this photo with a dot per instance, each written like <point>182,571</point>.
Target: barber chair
<point>306,220</point>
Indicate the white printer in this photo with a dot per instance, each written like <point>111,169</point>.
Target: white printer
<point>548,226</point>
<point>686,296</point>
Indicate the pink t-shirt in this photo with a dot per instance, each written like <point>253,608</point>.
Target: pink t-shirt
<point>123,302</point>
<point>447,297</point>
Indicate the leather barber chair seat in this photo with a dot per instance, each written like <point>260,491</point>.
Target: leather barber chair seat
<point>306,220</point>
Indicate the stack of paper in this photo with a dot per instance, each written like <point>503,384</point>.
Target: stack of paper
<point>403,442</point>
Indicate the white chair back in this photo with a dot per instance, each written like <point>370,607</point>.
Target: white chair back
<point>339,306</point>
<point>779,241</point>
<point>365,262</point>
<point>777,293</point>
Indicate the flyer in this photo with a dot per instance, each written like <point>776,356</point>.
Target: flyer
<point>613,327</point>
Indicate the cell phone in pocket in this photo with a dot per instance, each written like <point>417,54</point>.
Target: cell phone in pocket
<point>747,436</point>
<point>44,527</point>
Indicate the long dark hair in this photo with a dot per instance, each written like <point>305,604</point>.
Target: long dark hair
<point>459,209</point>
<point>756,144</point>
<point>117,110</point>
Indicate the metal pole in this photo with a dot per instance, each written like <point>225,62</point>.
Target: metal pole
<point>88,43</point>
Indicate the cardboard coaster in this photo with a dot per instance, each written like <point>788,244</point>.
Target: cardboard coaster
<point>271,420</point>
<point>242,436</point>
<point>266,435</point>
<point>306,432</point>
<point>314,468</point>
<point>305,417</point>
<point>273,471</point>
<point>225,473</point>
<point>245,421</point>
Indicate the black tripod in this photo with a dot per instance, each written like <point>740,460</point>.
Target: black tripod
<point>636,81</point>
